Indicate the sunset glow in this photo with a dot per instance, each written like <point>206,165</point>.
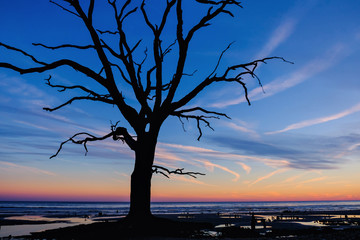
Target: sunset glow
<point>298,141</point>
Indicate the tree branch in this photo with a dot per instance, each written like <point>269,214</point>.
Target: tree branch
<point>184,42</point>
<point>64,88</point>
<point>108,32</point>
<point>180,171</point>
<point>117,133</point>
<point>89,138</point>
<point>199,118</point>
<point>126,54</point>
<point>224,78</point>
<point>22,52</point>
<point>220,2</point>
<point>65,46</point>
<point>219,60</point>
<point>99,99</point>
<point>65,9</point>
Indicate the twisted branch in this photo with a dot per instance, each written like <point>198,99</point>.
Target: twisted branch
<point>117,133</point>
<point>180,171</point>
<point>199,118</point>
<point>92,95</point>
<point>64,46</point>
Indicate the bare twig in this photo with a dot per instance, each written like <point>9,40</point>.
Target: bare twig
<point>100,99</point>
<point>65,9</point>
<point>117,133</point>
<point>180,171</point>
<point>108,32</point>
<point>219,60</point>
<point>22,52</point>
<point>89,138</point>
<point>199,118</point>
<point>65,46</point>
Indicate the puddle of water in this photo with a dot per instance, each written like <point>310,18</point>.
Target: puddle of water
<point>311,224</point>
<point>26,229</point>
<point>270,218</point>
<point>345,216</point>
<point>186,216</point>
<point>35,218</point>
<point>257,227</point>
<point>224,225</point>
<point>230,216</point>
<point>20,230</point>
<point>211,234</point>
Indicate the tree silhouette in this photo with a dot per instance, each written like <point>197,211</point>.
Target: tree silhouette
<point>120,62</point>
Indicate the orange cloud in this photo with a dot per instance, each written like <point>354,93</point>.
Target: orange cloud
<point>212,165</point>
<point>268,176</point>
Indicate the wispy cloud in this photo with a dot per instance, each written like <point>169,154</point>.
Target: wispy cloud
<point>237,158</point>
<point>309,70</point>
<point>211,166</point>
<point>293,178</point>
<point>281,33</point>
<point>12,166</point>
<point>19,87</point>
<point>354,146</point>
<point>268,176</point>
<point>314,180</point>
<point>243,127</point>
<point>189,148</point>
<point>247,168</point>
<point>33,125</point>
<point>315,121</point>
<point>188,179</point>
<point>162,153</point>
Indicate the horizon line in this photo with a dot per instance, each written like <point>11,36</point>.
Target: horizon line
<point>206,201</point>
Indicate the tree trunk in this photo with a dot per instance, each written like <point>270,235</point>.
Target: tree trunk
<point>140,195</point>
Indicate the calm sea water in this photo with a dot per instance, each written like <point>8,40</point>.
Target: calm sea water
<point>121,208</point>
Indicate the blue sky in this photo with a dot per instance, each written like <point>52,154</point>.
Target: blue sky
<point>299,140</point>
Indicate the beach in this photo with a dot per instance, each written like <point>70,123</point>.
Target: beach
<point>174,222</point>
<point>286,225</point>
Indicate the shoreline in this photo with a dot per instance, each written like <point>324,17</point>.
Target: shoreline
<point>218,225</point>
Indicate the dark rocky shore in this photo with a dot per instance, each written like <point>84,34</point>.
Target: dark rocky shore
<point>285,225</point>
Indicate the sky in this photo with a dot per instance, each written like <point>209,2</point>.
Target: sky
<point>298,141</point>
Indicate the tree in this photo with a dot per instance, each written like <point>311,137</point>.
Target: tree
<point>156,95</point>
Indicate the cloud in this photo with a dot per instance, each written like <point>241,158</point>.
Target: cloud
<point>281,33</point>
<point>188,179</point>
<point>12,166</point>
<point>213,165</point>
<point>297,152</point>
<point>237,158</point>
<point>354,146</point>
<point>245,167</point>
<point>315,121</point>
<point>253,147</point>
<point>188,148</point>
<point>162,153</point>
<point>314,180</point>
<point>19,87</point>
<point>315,66</point>
<point>41,127</point>
<point>243,127</point>
<point>268,176</point>
<point>293,178</point>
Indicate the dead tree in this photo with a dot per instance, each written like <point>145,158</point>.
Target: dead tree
<point>155,94</point>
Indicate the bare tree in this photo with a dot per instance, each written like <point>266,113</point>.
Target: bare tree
<point>154,93</point>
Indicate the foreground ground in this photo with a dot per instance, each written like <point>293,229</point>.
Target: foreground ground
<point>285,225</point>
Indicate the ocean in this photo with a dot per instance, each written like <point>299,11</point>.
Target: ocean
<point>62,214</point>
<point>52,209</point>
